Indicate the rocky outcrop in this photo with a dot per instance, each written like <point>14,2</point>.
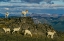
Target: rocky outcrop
<point>26,23</point>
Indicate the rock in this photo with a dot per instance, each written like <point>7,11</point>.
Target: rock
<point>26,23</point>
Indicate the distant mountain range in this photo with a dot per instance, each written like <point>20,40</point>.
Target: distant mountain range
<point>56,20</point>
<point>46,15</point>
<point>36,15</point>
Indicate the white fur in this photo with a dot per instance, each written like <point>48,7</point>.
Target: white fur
<point>51,34</point>
<point>16,29</point>
<point>6,29</point>
<point>6,15</point>
<point>28,32</point>
<point>24,12</point>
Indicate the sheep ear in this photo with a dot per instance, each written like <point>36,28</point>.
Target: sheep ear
<point>26,10</point>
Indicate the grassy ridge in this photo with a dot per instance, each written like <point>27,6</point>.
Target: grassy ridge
<point>26,22</point>
<point>19,37</point>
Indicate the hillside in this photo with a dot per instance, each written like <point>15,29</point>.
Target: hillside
<point>25,23</point>
<point>38,30</point>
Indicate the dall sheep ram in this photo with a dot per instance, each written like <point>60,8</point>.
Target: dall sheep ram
<point>16,29</point>
<point>6,29</point>
<point>51,33</point>
<point>28,32</point>
<point>6,15</point>
<point>24,13</point>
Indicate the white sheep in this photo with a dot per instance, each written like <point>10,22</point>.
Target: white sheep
<point>6,29</point>
<point>28,32</point>
<point>51,33</point>
<point>24,13</point>
<point>6,15</point>
<point>16,29</point>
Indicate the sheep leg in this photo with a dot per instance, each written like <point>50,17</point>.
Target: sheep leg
<point>24,33</point>
<point>13,31</point>
<point>52,36</point>
<point>31,35</point>
<point>24,15</point>
<point>48,36</point>
<point>5,31</point>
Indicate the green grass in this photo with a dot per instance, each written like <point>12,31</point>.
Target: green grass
<point>19,37</point>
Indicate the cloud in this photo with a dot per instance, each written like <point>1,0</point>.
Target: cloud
<point>4,0</point>
<point>32,1</point>
<point>6,8</point>
<point>48,1</point>
<point>63,0</point>
<point>38,1</point>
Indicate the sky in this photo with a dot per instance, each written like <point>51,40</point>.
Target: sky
<point>38,1</point>
<point>31,4</point>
